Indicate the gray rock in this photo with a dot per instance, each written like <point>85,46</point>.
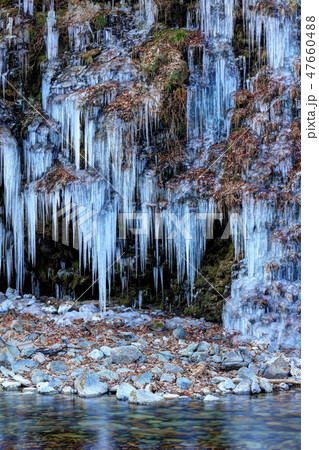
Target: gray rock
<point>156,326</point>
<point>216,359</point>
<point>180,333</point>
<point>168,378</point>
<point>39,358</point>
<point>124,390</point>
<point>68,390</point>
<point>198,357</point>
<point>211,398</point>
<point>183,383</point>
<point>189,350</point>
<point>11,385</point>
<point>96,354</point>
<point>127,354</point>
<point>203,346</point>
<point>29,351</point>
<point>8,355</point>
<point>215,349</point>
<point>163,356</point>
<point>233,360</point>
<point>169,367</point>
<point>38,376</point>
<point>128,336</point>
<point>143,397</point>
<point>58,367</point>
<point>255,389</point>
<point>143,379</point>
<point>89,385</point>
<point>76,360</point>
<point>77,372</point>
<point>6,372</point>
<point>6,306</point>
<point>276,369</point>
<point>21,380</point>
<point>246,373</point>
<point>45,388</point>
<point>65,307</point>
<point>109,375</point>
<point>227,385</point>
<point>106,350</point>
<point>25,365</point>
<point>265,385</point>
<point>282,387</point>
<point>243,388</point>
<point>216,380</point>
<point>157,371</point>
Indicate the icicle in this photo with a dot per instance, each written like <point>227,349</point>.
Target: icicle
<point>52,39</point>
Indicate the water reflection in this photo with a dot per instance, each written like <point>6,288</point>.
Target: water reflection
<point>31,421</point>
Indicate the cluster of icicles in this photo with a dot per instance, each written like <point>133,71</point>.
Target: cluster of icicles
<point>111,179</point>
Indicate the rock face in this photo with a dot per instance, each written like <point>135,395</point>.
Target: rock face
<point>89,385</point>
<point>143,397</point>
<point>276,369</point>
<point>125,354</point>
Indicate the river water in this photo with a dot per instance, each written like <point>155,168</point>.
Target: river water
<point>32,421</point>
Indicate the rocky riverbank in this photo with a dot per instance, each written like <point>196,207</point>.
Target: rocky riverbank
<point>143,357</point>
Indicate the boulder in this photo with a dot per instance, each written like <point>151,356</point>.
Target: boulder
<point>156,326</point>
<point>89,385</point>
<point>39,358</point>
<point>183,383</point>
<point>276,369</point>
<point>255,388</point>
<point>265,385</point>
<point>143,397</point>
<point>233,360</point>
<point>8,355</point>
<point>21,380</point>
<point>110,375</point>
<point>243,388</point>
<point>11,385</point>
<point>126,354</point>
<point>45,388</point>
<point>124,390</point>
<point>246,373</point>
<point>68,390</point>
<point>180,333</point>
<point>169,367</point>
<point>38,376</point>
<point>29,351</point>
<point>189,350</point>
<point>58,367</point>
<point>25,365</point>
<point>106,350</point>
<point>198,357</point>
<point>128,336</point>
<point>96,354</point>
<point>167,378</point>
<point>143,379</point>
<point>227,385</point>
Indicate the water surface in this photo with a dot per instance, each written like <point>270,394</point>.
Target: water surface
<point>32,421</point>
